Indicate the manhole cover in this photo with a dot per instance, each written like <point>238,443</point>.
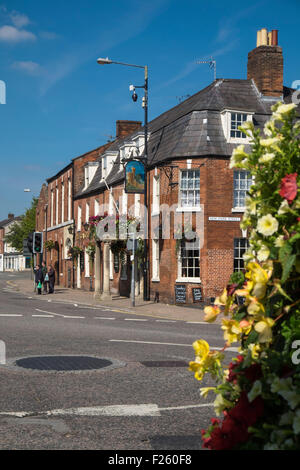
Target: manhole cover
<point>60,363</point>
<point>165,364</point>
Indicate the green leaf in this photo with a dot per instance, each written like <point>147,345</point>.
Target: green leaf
<point>294,238</point>
<point>287,266</point>
<point>285,251</point>
<point>252,338</point>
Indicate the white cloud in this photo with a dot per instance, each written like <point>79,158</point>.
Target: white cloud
<point>12,34</point>
<point>29,67</point>
<point>19,19</point>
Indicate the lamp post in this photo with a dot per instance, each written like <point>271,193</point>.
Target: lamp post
<point>107,61</point>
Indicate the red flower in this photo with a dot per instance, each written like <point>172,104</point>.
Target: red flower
<point>245,412</point>
<point>228,436</point>
<point>253,372</point>
<point>233,375</point>
<point>288,187</point>
<point>231,288</point>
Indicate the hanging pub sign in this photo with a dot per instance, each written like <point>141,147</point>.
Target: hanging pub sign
<point>135,177</point>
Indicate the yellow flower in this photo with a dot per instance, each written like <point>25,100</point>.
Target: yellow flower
<point>256,273</point>
<point>201,348</point>
<point>220,404</point>
<point>205,390</point>
<point>232,331</point>
<point>270,141</point>
<point>282,110</point>
<point>267,225</point>
<point>255,350</point>
<point>255,307</point>
<point>245,290</point>
<point>263,253</point>
<point>264,328</point>
<point>259,290</point>
<point>222,299</point>
<point>211,313</point>
<point>267,157</point>
<point>279,242</point>
<point>205,359</point>
<point>238,155</point>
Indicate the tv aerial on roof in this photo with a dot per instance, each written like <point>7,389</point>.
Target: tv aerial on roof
<point>212,64</point>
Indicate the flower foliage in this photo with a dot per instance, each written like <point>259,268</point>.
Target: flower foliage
<point>258,396</point>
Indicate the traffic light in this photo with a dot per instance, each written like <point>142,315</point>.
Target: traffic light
<point>30,242</point>
<point>38,242</point>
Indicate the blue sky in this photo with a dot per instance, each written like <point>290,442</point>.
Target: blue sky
<point>60,103</point>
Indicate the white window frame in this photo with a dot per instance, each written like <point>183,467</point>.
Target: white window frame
<point>96,207</point>
<point>180,277</point>
<point>241,251</point>
<point>240,208</point>
<point>52,207</point>
<point>87,212</point>
<point>56,205</point>
<point>86,263</point>
<point>69,199</point>
<point>156,195</point>
<point>124,202</point>
<point>79,218</point>
<point>226,124</point>
<point>111,265</point>
<point>183,208</point>
<point>62,202</point>
<point>155,260</point>
<point>137,205</point>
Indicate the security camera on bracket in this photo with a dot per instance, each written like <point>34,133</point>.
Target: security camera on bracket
<point>134,95</point>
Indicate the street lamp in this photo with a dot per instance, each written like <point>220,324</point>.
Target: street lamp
<point>107,61</point>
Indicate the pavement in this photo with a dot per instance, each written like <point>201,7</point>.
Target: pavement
<point>123,304</point>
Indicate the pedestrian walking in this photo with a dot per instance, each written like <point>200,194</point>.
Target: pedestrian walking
<point>51,274</point>
<point>39,278</point>
<point>46,277</point>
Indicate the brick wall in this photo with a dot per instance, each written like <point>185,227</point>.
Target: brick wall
<point>265,67</point>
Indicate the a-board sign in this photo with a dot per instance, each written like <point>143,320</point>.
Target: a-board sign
<point>197,294</point>
<point>180,294</point>
<point>81,261</point>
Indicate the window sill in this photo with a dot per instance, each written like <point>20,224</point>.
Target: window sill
<point>155,213</point>
<point>238,209</point>
<point>191,280</point>
<point>155,279</point>
<point>188,209</point>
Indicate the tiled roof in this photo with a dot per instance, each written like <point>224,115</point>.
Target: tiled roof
<point>193,127</point>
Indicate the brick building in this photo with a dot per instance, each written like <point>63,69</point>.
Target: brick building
<point>188,174</point>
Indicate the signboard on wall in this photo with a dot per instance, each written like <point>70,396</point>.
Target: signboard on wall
<point>135,177</point>
<point>197,294</point>
<point>180,294</point>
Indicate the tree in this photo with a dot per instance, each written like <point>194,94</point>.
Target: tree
<point>21,229</point>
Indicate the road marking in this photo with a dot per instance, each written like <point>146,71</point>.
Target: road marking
<point>11,315</point>
<point>43,316</point>
<point>198,322</point>
<point>168,344</point>
<point>105,318</point>
<point>150,409</point>
<point>51,313</point>
<point>114,410</point>
<point>135,319</point>
<point>72,316</point>
<point>148,342</point>
<point>166,321</point>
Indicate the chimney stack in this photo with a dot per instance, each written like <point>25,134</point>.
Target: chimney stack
<point>124,128</point>
<point>265,63</point>
<point>11,216</point>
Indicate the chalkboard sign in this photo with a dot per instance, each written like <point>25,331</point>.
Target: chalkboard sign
<point>81,261</point>
<point>180,294</point>
<point>197,294</point>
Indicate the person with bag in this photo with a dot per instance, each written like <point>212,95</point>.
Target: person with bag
<point>51,274</point>
<point>46,277</point>
<point>39,278</point>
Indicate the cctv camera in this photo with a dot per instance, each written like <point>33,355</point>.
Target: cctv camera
<point>134,96</point>
<point>131,88</point>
